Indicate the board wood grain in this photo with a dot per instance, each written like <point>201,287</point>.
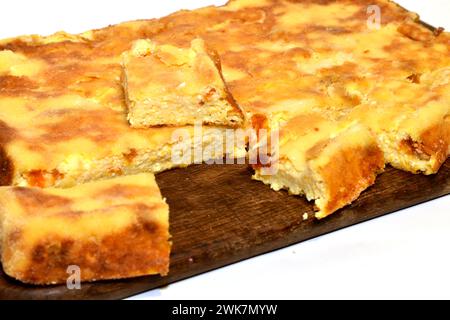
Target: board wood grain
<point>220,216</point>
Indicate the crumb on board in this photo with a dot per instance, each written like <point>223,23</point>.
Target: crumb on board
<point>305,216</point>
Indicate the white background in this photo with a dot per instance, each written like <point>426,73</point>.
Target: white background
<point>402,255</point>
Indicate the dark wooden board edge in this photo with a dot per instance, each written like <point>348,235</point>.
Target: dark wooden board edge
<point>220,216</point>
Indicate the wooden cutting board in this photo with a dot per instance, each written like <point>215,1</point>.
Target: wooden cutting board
<point>220,216</point>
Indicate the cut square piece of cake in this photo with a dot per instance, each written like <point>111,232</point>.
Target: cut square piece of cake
<point>167,85</point>
<point>328,162</point>
<point>108,229</point>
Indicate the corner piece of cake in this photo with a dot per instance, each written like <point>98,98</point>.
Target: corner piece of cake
<point>109,229</point>
<point>168,85</point>
<point>328,162</point>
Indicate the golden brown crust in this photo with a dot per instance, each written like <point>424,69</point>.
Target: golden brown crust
<point>6,169</point>
<point>110,229</point>
<point>350,172</point>
<point>110,258</point>
<point>416,32</point>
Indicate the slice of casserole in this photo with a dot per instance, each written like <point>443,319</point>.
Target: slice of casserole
<point>167,85</point>
<point>330,163</point>
<point>111,229</point>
